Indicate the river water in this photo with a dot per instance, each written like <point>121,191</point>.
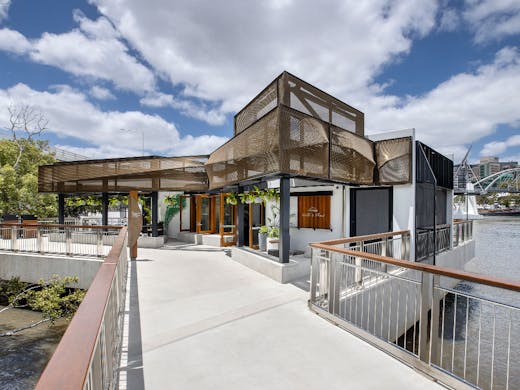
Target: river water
<point>488,358</point>
<point>23,356</point>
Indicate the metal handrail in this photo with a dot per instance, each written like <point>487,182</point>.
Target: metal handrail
<point>56,239</point>
<point>57,225</point>
<point>363,238</point>
<point>392,303</point>
<point>88,353</point>
<point>433,269</point>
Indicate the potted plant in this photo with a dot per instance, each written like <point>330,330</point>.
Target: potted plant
<point>272,242</point>
<point>258,195</point>
<point>247,197</point>
<point>262,238</point>
<point>231,199</point>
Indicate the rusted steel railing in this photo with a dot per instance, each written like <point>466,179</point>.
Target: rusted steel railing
<point>88,354</point>
<point>67,240</point>
<point>458,327</point>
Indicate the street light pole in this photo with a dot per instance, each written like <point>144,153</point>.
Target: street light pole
<point>142,138</point>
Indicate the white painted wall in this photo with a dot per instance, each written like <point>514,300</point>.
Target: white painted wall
<point>404,212</point>
<point>173,226</point>
<point>300,238</point>
<point>31,268</point>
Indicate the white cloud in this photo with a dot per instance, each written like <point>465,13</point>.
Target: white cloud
<point>493,19</point>
<point>96,51</point>
<point>83,53</point>
<point>101,93</point>
<point>496,148</point>
<point>70,114</point>
<point>14,42</point>
<point>227,52</point>
<point>4,8</point>
<point>213,116</point>
<point>449,20</point>
<point>459,111</point>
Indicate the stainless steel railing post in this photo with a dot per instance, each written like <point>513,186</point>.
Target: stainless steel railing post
<point>426,295</point>
<point>39,248</point>
<point>14,238</point>
<point>68,241</point>
<point>99,240</point>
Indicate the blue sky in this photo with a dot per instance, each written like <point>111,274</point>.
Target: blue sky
<point>178,71</point>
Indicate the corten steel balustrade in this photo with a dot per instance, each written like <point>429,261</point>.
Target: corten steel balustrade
<point>66,240</point>
<point>87,356</point>
<point>392,303</point>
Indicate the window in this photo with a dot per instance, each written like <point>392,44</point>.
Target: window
<point>314,211</point>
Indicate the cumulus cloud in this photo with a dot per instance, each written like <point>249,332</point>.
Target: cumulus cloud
<point>498,147</point>
<point>459,111</point>
<point>449,20</point>
<point>14,42</point>
<point>101,93</point>
<point>227,52</point>
<point>70,114</point>
<point>493,19</point>
<point>4,8</point>
<point>213,116</point>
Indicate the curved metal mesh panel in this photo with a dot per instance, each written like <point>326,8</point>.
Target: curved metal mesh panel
<point>252,153</point>
<point>394,160</point>
<point>351,157</point>
<point>304,144</point>
<point>259,106</point>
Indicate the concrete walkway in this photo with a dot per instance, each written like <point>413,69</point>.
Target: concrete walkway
<point>207,322</point>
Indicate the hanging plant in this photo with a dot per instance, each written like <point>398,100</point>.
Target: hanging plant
<point>231,199</point>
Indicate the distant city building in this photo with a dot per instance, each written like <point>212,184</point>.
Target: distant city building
<point>488,165</point>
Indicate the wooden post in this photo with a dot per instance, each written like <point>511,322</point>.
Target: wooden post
<point>135,223</point>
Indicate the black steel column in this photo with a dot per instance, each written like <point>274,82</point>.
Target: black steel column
<point>240,221</point>
<point>285,211</point>
<point>104,208</point>
<point>155,212</point>
<point>61,208</point>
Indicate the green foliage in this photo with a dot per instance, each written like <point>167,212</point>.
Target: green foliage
<point>50,297</point>
<point>19,186</point>
<point>263,229</point>
<point>173,203</point>
<point>76,206</point>
<point>53,299</point>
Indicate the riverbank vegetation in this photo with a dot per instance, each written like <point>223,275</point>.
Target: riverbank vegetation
<point>52,298</point>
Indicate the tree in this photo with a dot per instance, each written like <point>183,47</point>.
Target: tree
<point>20,157</point>
<point>50,297</point>
<point>27,120</point>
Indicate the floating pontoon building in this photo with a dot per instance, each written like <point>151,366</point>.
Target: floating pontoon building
<point>333,180</point>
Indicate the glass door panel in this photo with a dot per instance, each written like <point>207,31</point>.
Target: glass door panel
<point>204,214</point>
<point>256,219</point>
<point>185,213</point>
<point>228,234</point>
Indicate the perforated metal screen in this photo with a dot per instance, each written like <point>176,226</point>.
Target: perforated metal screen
<point>290,142</point>
<point>125,174</point>
<point>290,128</point>
<point>394,160</point>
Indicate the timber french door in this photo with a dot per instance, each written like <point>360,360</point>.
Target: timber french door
<point>205,214</point>
<point>227,225</point>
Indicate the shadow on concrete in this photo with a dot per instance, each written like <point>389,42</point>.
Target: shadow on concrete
<point>303,283</point>
<point>134,367</point>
